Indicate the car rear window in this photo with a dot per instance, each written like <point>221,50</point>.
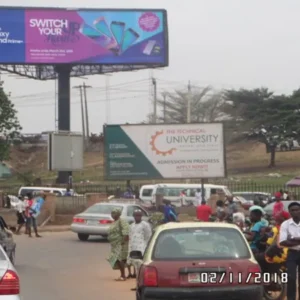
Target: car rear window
<point>205,243</point>
<point>103,209</point>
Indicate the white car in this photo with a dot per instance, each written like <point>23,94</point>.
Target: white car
<point>9,279</point>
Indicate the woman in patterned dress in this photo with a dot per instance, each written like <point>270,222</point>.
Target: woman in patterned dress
<point>118,238</point>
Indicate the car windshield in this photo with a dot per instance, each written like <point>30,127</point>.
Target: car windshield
<point>147,192</point>
<point>102,209</point>
<point>204,243</point>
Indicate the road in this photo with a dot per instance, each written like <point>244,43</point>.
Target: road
<point>60,267</point>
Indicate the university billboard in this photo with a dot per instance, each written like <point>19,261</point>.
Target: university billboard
<point>62,36</point>
<point>160,151</point>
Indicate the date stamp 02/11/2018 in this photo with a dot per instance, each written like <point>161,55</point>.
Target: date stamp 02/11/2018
<point>238,278</point>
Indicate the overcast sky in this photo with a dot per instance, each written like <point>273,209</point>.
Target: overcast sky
<point>226,44</point>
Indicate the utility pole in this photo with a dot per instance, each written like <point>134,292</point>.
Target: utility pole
<point>189,100</point>
<point>154,100</point>
<point>165,108</point>
<point>107,96</point>
<point>86,113</point>
<point>82,110</point>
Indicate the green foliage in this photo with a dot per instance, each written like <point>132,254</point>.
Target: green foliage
<point>9,124</point>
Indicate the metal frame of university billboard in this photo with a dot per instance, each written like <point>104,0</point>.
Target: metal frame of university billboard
<point>63,71</point>
<point>161,124</point>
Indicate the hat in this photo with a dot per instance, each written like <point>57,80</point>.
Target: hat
<point>278,195</point>
<point>285,215</point>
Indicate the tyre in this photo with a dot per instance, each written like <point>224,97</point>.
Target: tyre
<point>83,237</point>
<point>275,291</point>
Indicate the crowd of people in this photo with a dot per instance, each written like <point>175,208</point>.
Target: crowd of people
<point>28,209</point>
<point>274,240</point>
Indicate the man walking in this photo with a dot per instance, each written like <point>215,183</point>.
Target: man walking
<point>139,235</point>
<point>290,237</point>
<point>35,210</point>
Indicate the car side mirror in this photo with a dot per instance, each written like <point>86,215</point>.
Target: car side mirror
<point>136,255</point>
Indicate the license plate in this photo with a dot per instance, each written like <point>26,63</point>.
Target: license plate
<point>194,277</point>
<point>91,222</point>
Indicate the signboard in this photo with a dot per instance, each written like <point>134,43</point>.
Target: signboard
<point>60,36</point>
<point>164,151</point>
<point>65,151</point>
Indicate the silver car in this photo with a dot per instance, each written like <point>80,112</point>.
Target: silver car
<point>10,282</point>
<point>96,219</point>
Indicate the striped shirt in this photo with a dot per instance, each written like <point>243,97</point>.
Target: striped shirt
<point>289,229</point>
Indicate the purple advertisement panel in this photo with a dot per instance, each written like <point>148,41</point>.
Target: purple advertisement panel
<point>56,36</point>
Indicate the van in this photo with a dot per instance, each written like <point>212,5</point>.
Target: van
<point>146,192</point>
<point>24,190</point>
<point>172,191</point>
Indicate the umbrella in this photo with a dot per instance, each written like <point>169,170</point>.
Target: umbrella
<point>295,182</point>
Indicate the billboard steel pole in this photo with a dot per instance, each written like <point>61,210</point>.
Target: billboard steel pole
<point>64,106</point>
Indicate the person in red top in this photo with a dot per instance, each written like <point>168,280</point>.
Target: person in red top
<point>204,211</point>
<point>278,206</point>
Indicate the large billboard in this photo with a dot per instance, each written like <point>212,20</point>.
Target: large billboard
<point>60,36</point>
<point>164,151</point>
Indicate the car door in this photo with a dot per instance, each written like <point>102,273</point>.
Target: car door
<point>130,210</point>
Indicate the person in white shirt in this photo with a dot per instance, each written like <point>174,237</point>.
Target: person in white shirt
<point>289,237</point>
<point>139,235</point>
<point>198,197</point>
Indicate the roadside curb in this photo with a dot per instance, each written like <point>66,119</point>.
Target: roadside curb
<point>54,229</point>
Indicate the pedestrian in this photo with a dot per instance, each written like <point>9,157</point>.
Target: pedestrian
<point>238,217</point>
<point>220,211</point>
<point>169,212</point>
<point>203,212</point>
<point>28,214</point>
<point>118,235</point>
<point>231,206</point>
<point>198,197</point>
<point>278,206</point>
<point>257,207</point>
<point>21,218</point>
<point>139,236</point>
<point>254,235</point>
<point>289,237</point>
<point>35,211</point>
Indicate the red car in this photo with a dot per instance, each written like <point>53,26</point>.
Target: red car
<point>192,261</point>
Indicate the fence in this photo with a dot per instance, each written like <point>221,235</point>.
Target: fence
<point>117,189</point>
<point>70,205</point>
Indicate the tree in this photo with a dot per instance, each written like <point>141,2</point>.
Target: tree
<point>269,119</point>
<point>9,124</point>
<point>206,106</point>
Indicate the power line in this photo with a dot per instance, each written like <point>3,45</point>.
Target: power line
<point>78,102</point>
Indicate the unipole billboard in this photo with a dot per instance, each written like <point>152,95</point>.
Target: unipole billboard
<point>83,36</point>
<point>160,151</point>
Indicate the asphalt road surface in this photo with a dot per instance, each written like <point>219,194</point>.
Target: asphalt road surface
<point>60,267</point>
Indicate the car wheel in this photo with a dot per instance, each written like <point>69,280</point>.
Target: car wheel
<point>83,237</point>
<point>12,257</point>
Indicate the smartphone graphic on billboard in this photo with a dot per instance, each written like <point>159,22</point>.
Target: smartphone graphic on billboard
<point>101,25</point>
<point>117,29</point>
<point>130,36</point>
<point>89,31</point>
<point>149,47</point>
